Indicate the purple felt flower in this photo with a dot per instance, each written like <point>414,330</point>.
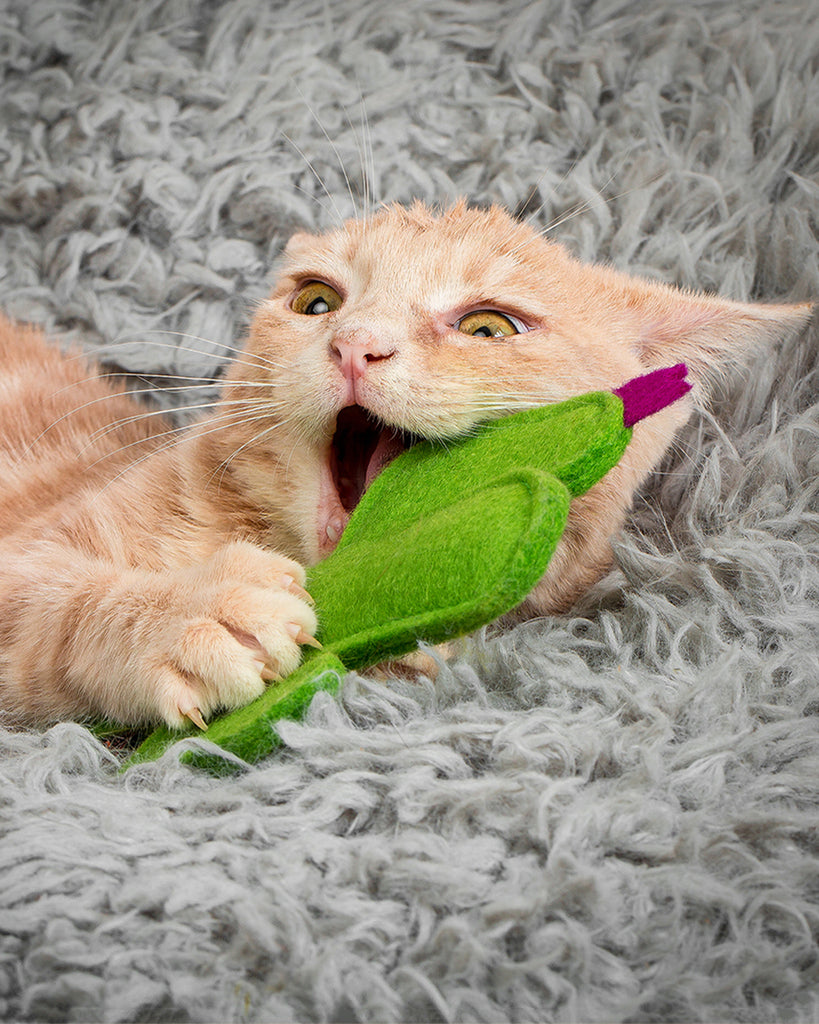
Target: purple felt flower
<point>645,395</point>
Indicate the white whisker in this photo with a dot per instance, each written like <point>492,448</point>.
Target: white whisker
<point>314,199</point>
<point>581,208</point>
<point>237,355</point>
<point>243,404</point>
<point>150,390</point>
<point>363,155</point>
<point>223,466</point>
<point>334,148</point>
<point>369,156</point>
<point>318,177</point>
<point>531,217</point>
<point>177,435</point>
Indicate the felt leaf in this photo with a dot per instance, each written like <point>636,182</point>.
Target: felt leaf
<point>578,441</point>
<point>438,578</point>
<point>248,732</point>
<point>439,581</point>
<point>446,539</point>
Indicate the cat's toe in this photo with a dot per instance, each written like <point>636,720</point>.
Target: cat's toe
<point>222,631</point>
<point>250,637</point>
<point>282,624</point>
<point>194,689</point>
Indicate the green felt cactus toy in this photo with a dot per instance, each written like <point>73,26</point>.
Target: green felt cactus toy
<point>446,539</point>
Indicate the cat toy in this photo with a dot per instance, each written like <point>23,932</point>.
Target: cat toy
<point>446,539</point>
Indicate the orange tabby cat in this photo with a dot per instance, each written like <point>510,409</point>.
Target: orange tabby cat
<point>143,580</point>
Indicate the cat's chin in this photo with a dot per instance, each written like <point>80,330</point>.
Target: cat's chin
<point>360,448</point>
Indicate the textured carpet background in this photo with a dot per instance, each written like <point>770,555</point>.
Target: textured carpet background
<point>610,815</point>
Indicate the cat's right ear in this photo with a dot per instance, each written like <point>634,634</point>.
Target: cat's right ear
<point>707,332</point>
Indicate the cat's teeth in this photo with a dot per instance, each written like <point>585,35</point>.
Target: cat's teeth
<point>332,533</point>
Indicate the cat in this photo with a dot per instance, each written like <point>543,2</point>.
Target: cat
<point>145,580</point>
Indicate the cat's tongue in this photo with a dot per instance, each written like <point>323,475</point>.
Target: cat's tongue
<point>359,451</point>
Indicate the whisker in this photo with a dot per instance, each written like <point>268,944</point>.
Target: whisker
<point>318,177</point>
<point>361,145</point>
<point>223,466</point>
<point>587,204</point>
<point>152,388</point>
<point>82,408</point>
<point>581,207</point>
<point>116,395</point>
<point>177,436</point>
<point>177,433</point>
<point>334,148</point>
<point>313,199</point>
<point>252,404</point>
<point>148,377</point>
<point>240,356</point>
<point>220,385</point>
<point>531,217</point>
<point>369,154</point>
<point>122,341</point>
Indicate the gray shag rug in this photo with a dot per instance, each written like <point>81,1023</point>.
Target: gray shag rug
<point>604,816</point>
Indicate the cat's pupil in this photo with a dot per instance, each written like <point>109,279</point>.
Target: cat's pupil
<point>317,307</point>
<point>483,332</point>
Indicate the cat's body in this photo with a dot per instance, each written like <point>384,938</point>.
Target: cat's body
<point>142,580</point>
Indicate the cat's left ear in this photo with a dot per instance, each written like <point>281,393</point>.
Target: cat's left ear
<point>299,244</point>
<point>705,331</point>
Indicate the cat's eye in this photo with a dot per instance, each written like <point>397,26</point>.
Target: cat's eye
<point>316,298</point>
<point>488,323</point>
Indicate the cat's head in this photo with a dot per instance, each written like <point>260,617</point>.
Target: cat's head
<point>415,324</point>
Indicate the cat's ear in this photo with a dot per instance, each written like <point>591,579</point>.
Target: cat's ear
<point>706,332</point>
<point>299,244</point>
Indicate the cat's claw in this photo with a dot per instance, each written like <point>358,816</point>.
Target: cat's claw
<point>241,629</point>
<point>302,637</point>
<point>310,641</point>
<point>195,715</point>
<point>297,590</point>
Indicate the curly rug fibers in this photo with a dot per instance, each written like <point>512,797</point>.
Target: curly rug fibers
<point>610,815</point>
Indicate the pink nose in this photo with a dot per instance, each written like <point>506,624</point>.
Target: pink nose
<point>354,356</point>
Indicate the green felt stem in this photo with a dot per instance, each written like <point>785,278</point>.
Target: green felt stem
<point>248,732</point>
<point>524,512</point>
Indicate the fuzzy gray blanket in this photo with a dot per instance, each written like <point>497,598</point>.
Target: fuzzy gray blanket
<point>606,816</point>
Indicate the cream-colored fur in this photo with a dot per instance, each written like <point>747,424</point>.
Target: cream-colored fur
<point>144,580</point>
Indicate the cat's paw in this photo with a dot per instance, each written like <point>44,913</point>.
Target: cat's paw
<point>233,625</point>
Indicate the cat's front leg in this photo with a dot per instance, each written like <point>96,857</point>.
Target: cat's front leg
<point>83,637</point>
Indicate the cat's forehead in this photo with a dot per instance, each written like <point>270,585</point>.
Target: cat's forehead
<point>415,253</point>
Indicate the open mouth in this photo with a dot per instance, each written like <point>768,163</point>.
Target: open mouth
<point>361,447</point>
